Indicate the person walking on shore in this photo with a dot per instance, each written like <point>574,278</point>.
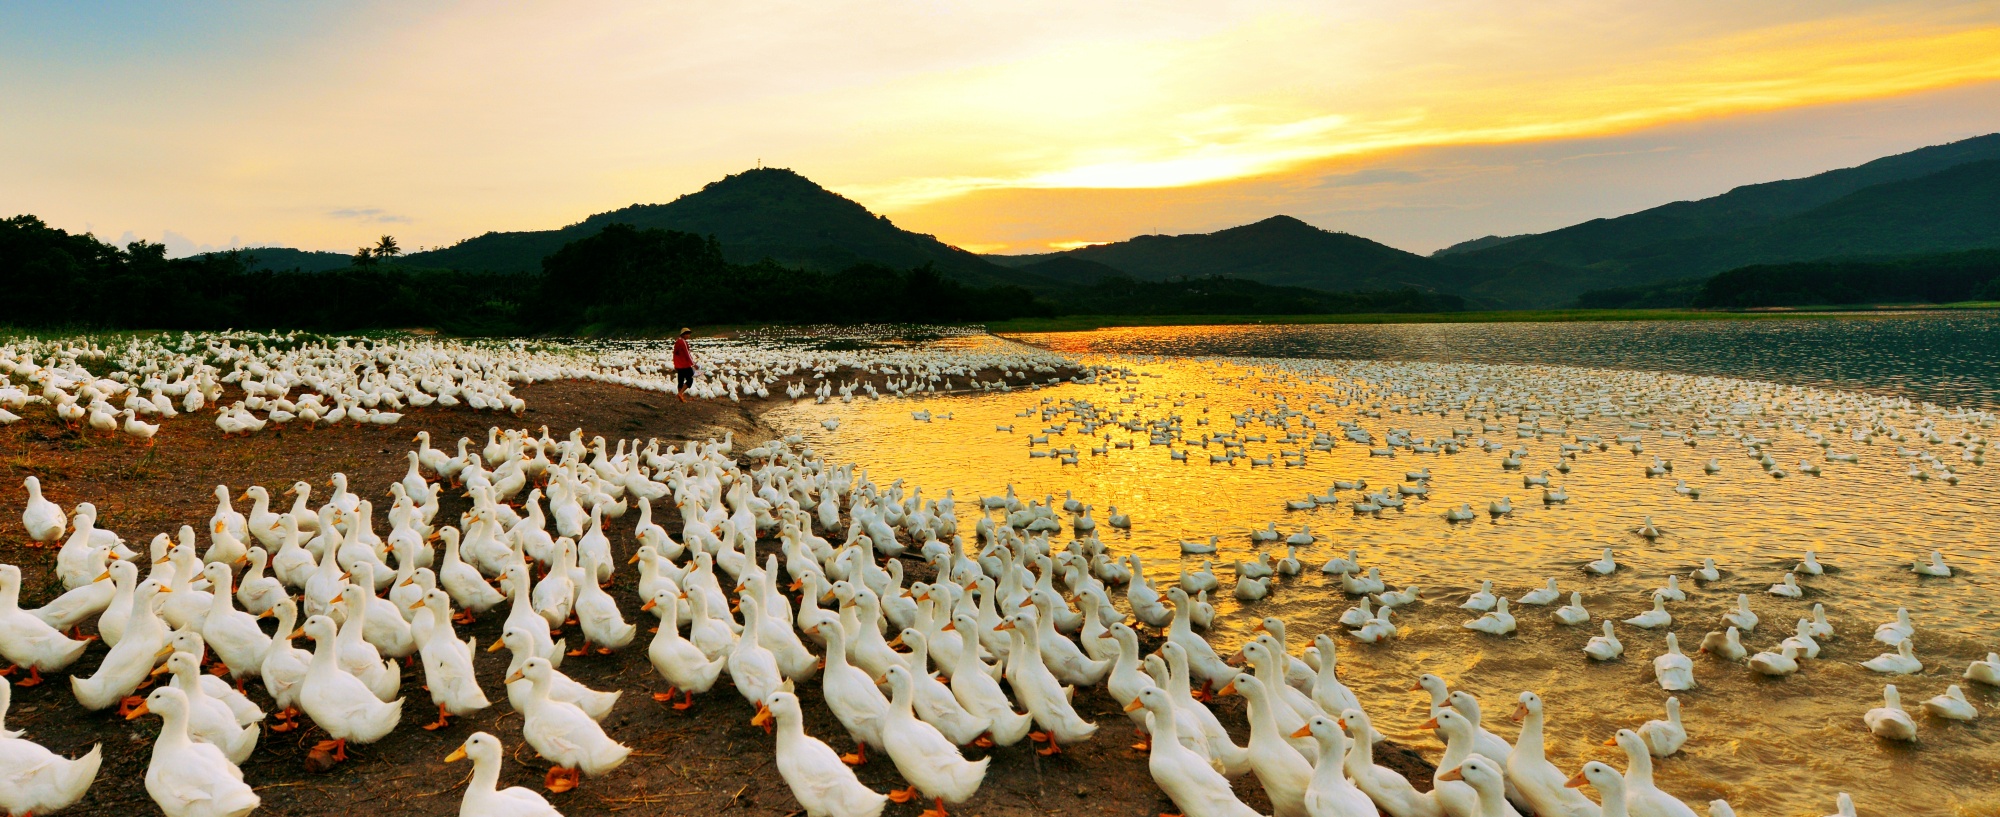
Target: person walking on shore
<point>683,364</point>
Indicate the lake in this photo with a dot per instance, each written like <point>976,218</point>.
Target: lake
<point>1949,358</point>
<point>1769,745</point>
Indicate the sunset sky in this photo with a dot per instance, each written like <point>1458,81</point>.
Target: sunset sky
<point>998,126</point>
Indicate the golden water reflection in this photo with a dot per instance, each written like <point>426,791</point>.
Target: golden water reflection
<point>1770,746</point>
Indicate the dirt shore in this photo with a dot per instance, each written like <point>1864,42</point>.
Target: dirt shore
<point>701,761</point>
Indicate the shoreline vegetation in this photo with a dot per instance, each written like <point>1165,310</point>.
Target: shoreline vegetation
<point>624,281</point>
<point>1086,323</point>
<point>1091,323</point>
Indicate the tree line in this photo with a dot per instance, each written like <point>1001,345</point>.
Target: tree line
<point>621,280</point>
<point>1937,278</point>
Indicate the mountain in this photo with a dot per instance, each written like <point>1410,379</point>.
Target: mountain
<point>286,259</point>
<point>1933,199</point>
<point>1279,250</point>
<point>1068,270</point>
<point>757,214</point>
<point>1479,243</point>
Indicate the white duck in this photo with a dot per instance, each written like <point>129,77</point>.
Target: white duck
<point>467,587</point>
<point>28,641</point>
<point>1331,794</point>
<point>821,783</point>
<point>42,519</point>
<point>1889,721</point>
<point>563,734</point>
<point>284,666</point>
<point>1952,705</point>
<point>1482,599</point>
<point>752,667</point>
<point>1934,567</point>
<point>597,614</point>
<point>935,703</point>
<point>1498,622</point>
<point>1282,770</point>
<point>1186,778</point>
<point>1610,786</point>
<point>687,669</point>
<point>979,692</point>
<point>1604,565</point>
<point>1378,629</point>
<point>1673,670</point>
<point>849,692</point>
<point>1488,783</point>
<point>594,703</point>
<point>1390,790</point>
<point>1538,782</point>
<point>337,701</point>
<point>1655,618</point>
<point>232,633</point>
<point>483,795</point>
<point>1046,699</point>
<point>1707,572</point>
<point>1741,618</point>
<point>1642,797</point>
<point>1359,614</point>
<point>256,591</point>
<point>34,780</point>
<point>187,778</point>
<point>1900,662</point>
<point>1789,588</point>
<point>142,645</point>
<point>1802,638</point>
<point>210,721</point>
<point>1573,613</point>
<point>1725,644</point>
<point>1985,672</point>
<point>1665,737</point>
<point>448,672</point>
<point>924,756</point>
<point>1896,631</point>
<point>1541,596</point>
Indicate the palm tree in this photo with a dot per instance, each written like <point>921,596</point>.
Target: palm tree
<point>364,257</point>
<point>387,248</point>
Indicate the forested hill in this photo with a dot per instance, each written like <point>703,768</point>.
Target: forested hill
<point>1938,198</point>
<point>1279,250</point>
<point>769,213</point>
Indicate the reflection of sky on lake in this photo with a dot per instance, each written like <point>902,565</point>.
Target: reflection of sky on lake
<point>1770,746</point>
<point>1949,358</point>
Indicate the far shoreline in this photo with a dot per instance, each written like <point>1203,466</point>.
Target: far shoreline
<point>1087,323</point>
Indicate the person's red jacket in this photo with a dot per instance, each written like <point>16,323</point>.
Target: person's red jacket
<point>683,358</point>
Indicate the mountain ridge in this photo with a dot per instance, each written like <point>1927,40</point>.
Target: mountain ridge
<point>765,213</point>
<point>1280,250</point>
<point>1706,236</point>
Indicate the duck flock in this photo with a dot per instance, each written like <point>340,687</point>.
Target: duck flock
<point>929,638</point>
<point>298,380</point>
